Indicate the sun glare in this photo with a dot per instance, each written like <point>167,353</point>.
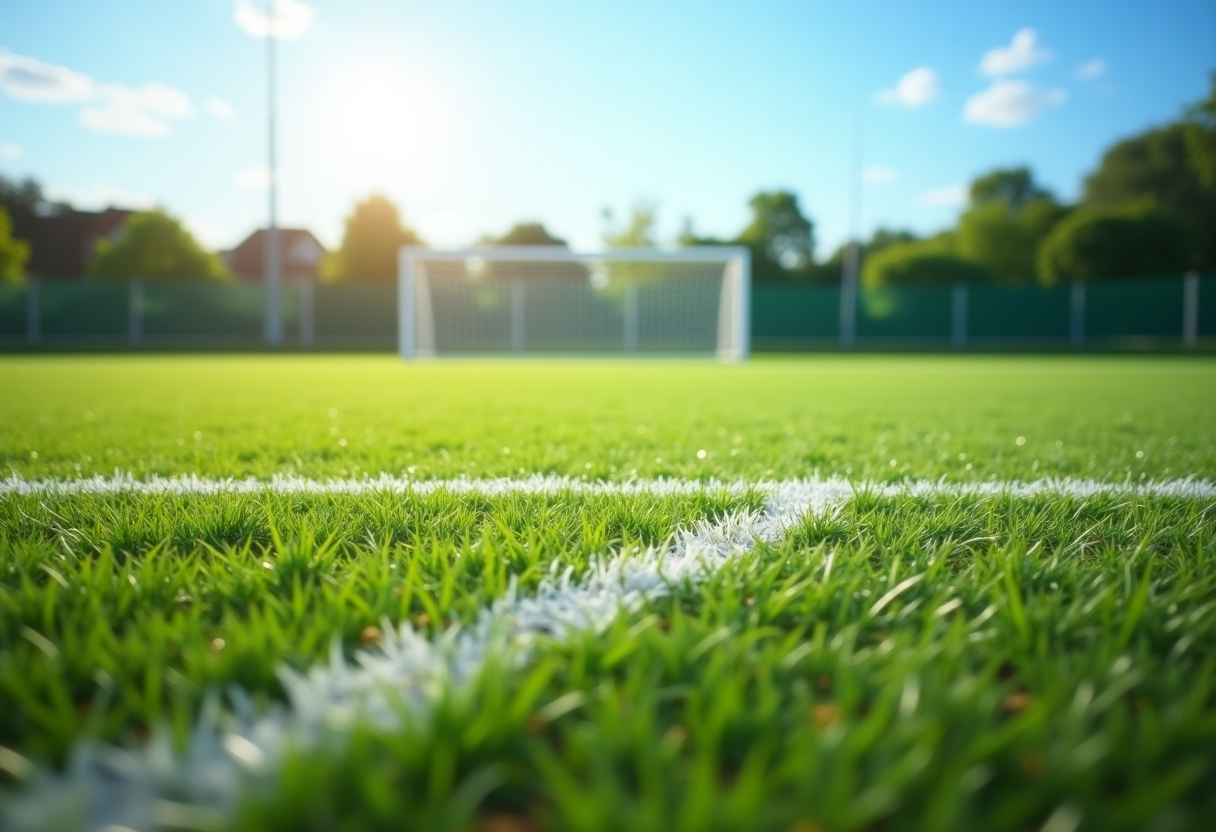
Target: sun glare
<point>380,119</point>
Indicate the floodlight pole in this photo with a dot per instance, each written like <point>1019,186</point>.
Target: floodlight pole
<point>852,255</point>
<point>273,324</point>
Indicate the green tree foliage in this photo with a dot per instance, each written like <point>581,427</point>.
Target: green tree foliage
<point>374,236</point>
<point>1013,186</point>
<point>1201,137</point>
<point>1119,241</point>
<point>637,232</point>
<point>28,195</point>
<point>923,263</point>
<point>993,234</point>
<point>13,253</point>
<point>1010,215</point>
<point>781,238</point>
<point>155,245</point>
<point>1153,167</point>
<point>528,234</point>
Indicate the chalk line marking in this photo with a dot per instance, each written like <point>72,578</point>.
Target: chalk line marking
<point>110,788</point>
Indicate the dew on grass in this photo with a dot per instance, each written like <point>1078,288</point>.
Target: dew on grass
<point>962,457</point>
<point>658,459</point>
<point>33,454</point>
<point>198,436</point>
<point>587,466</point>
<point>1021,440</point>
<point>333,413</point>
<point>1139,455</point>
<point>701,454</point>
<point>217,644</point>
<point>506,451</point>
<point>181,442</point>
<point>342,442</point>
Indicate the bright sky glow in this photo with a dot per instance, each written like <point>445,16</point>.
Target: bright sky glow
<point>472,115</point>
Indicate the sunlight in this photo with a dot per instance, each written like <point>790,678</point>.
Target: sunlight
<point>380,118</point>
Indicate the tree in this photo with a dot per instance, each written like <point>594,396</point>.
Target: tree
<point>1013,186</point>
<point>374,236</point>
<point>921,263</point>
<point>1201,137</point>
<point>1009,216</point>
<point>1154,168</point>
<point>1121,241</point>
<point>781,239</point>
<point>638,232</point>
<point>993,234</point>
<point>528,234</point>
<point>154,245</point>
<point>13,253</point>
<point>27,195</point>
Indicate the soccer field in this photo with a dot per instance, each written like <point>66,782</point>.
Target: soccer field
<point>806,593</point>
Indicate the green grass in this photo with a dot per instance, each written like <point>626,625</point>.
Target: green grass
<point>255,416</point>
<point>901,663</point>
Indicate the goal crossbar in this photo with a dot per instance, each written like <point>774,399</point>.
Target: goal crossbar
<point>421,335</point>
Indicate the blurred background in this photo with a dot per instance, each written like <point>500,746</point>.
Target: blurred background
<point>1007,175</point>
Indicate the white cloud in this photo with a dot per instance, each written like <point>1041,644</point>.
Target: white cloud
<point>287,20</point>
<point>1092,69</point>
<point>112,108</point>
<point>99,196</point>
<point>136,111</point>
<point>1021,54</point>
<point>878,174</point>
<point>949,195</point>
<point>915,89</point>
<point>1010,103</point>
<point>11,150</point>
<point>29,79</point>
<point>219,108</point>
<point>254,179</point>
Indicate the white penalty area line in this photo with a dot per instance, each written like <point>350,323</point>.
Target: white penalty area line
<point>408,672</point>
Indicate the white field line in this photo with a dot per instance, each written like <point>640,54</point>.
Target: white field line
<point>154,787</point>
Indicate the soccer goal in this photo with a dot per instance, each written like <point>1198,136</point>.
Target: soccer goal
<point>548,300</point>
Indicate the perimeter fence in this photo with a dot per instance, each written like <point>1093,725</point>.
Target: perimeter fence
<point>1160,311</point>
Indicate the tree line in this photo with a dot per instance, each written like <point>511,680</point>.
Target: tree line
<point>1149,208</point>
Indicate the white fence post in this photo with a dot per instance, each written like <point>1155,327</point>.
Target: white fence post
<point>1076,323</point>
<point>848,297</point>
<point>958,315</point>
<point>135,312</point>
<point>517,316</point>
<point>631,317</point>
<point>1190,309</point>
<point>33,312</point>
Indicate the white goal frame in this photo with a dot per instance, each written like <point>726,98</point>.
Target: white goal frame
<point>415,316</point>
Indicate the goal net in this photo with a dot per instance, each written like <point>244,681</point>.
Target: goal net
<point>548,300</point>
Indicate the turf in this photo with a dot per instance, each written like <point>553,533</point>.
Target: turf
<point>865,417</point>
<point>911,662</point>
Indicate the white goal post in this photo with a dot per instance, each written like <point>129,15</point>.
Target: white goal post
<point>548,300</point>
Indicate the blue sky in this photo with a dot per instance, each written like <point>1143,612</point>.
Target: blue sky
<point>473,115</point>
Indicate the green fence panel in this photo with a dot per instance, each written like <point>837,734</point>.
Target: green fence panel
<point>1134,308</point>
<point>1207,305</point>
<point>794,313</point>
<point>355,315</point>
<point>1018,313</point>
<point>12,312</point>
<point>913,314</point>
<point>83,310</point>
<point>202,312</point>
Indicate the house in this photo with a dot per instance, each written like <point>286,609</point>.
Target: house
<point>301,255</point>
<point>62,243</point>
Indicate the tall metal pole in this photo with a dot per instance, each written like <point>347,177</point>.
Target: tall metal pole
<point>273,324</point>
<point>852,256</point>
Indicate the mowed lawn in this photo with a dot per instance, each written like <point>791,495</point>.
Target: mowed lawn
<point>958,658</point>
